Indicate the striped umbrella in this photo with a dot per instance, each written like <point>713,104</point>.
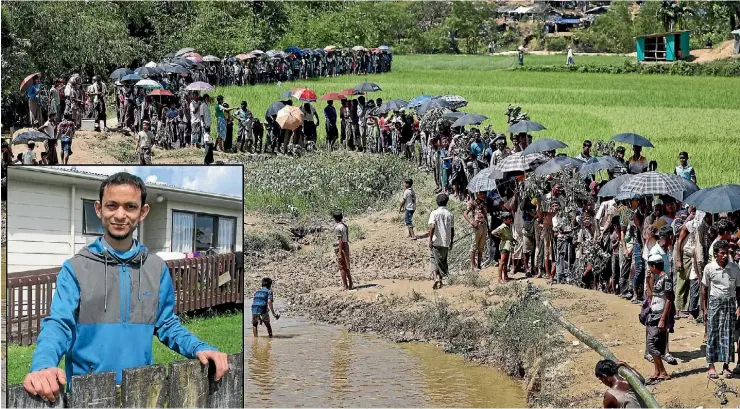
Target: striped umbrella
<point>652,183</point>
<point>517,162</point>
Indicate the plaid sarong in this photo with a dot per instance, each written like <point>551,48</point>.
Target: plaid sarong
<point>720,324</point>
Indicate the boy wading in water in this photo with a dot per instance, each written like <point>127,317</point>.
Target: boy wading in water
<point>261,302</point>
<point>342,245</point>
<point>409,205</point>
<point>504,233</point>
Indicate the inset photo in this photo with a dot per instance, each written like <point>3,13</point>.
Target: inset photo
<point>124,286</point>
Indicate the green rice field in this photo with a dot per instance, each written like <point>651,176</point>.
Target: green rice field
<point>700,115</point>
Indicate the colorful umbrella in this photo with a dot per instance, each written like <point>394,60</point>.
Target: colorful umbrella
<point>350,91</point>
<point>199,86</point>
<point>305,95</point>
<point>28,81</point>
<point>290,117</point>
<point>242,57</point>
<point>161,93</point>
<point>25,135</point>
<point>194,57</point>
<point>333,96</point>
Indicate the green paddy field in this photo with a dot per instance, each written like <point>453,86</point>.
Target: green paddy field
<point>700,115</point>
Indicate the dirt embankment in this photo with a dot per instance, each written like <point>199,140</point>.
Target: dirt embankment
<point>499,325</point>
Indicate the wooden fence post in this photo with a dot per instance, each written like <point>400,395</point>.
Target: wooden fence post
<point>93,391</point>
<point>19,398</point>
<point>144,387</point>
<point>188,385</point>
<point>229,391</point>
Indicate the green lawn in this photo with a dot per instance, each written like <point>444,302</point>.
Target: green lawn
<point>694,114</point>
<point>449,62</point>
<point>225,332</point>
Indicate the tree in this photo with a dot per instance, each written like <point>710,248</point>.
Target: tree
<point>671,14</point>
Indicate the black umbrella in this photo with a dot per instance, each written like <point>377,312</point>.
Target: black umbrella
<point>633,139</point>
<point>544,145</point>
<point>716,199</point>
<point>184,51</point>
<point>434,103</point>
<point>367,87</point>
<point>287,94</point>
<point>611,188</point>
<point>598,163</point>
<point>525,127</point>
<point>184,62</point>
<point>558,164</point>
<point>392,105</point>
<point>120,73</point>
<point>690,187</point>
<point>149,71</point>
<point>274,108</point>
<point>469,119</point>
<point>454,115</point>
<point>174,69</point>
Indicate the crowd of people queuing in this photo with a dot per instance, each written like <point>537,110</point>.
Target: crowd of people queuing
<point>174,115</point>
<point>678,262</point>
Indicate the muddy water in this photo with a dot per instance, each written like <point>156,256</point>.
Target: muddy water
<point>316,365</point>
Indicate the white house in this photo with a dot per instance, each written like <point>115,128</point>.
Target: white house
<point>51,217</point>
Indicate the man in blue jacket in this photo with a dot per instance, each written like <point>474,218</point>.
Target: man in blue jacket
<point>110,299</point>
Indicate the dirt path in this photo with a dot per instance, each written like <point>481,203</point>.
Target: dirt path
<point>385,263</point>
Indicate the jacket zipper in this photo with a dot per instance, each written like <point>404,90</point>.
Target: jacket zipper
<point>125,293</point>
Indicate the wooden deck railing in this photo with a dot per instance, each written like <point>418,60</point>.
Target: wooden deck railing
<point>187,384</point>
<point>199,283</point>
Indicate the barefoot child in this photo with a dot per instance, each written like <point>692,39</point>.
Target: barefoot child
<point>342,245</point>
<point>409,205</point>
<point>504,233</point>
<point>260,304</point>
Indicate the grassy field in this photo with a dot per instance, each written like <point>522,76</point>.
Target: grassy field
<point>225,332</point>
<point>694,114</point>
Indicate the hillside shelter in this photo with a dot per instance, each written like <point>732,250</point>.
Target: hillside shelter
<point>672,46</point>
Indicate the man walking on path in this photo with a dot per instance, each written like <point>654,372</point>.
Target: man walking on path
<point>144,144</point>
<point>441,237</point>
<point>109,300</point>
<point>408,205</point>
<point>570,61</point>
<point>721,281</point>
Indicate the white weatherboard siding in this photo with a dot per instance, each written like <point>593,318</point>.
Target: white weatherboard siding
<point>82,240</point>
<point>38,225</point>
<point>199,208</point>
<point>155,227</point>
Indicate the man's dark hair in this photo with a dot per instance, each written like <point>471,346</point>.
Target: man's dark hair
<point>124,178</point>
<point>442,200</point>
<point>653,165</point>
<point>620,149</point>
<point>606,367</point>
<point>410,182</point>
<point>337,215</point>
<point>267,282</point>
<point>659,264</point>
<point>719,245</point>
<point>586,143</point>
<point>724,226</point>
<point>683,154</point>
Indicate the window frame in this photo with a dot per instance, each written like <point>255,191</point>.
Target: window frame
<point>216,217</point>
<point>84,219</point>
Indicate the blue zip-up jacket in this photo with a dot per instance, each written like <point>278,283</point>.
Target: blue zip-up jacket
<point>106,307</point>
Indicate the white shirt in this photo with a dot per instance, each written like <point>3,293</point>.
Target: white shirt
<point>604,215</point>
<point>410,197</point>
<point>443,223</point>
<point>341,232</point>
<point>49,129</point>
<point>721,282</point>
<point>570,53</point>
<point>205,112</point>
<point>194,112</point>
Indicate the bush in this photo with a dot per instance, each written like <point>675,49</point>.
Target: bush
<point>719,68</point>
<point>556,44</point>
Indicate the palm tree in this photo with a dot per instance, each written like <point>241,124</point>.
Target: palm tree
<point>671,14</point>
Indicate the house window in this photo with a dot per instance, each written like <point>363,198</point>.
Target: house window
<point>200,232</point>
<point>91,223</point>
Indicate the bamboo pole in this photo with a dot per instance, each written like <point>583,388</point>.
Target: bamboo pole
<point>626,373</point>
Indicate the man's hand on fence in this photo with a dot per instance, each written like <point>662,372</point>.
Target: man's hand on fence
<point>45,383</point>
<point>219,358</point>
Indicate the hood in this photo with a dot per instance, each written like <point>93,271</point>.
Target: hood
<point>100,252</point>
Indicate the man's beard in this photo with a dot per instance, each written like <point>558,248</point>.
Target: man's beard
<point>121,237</point>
